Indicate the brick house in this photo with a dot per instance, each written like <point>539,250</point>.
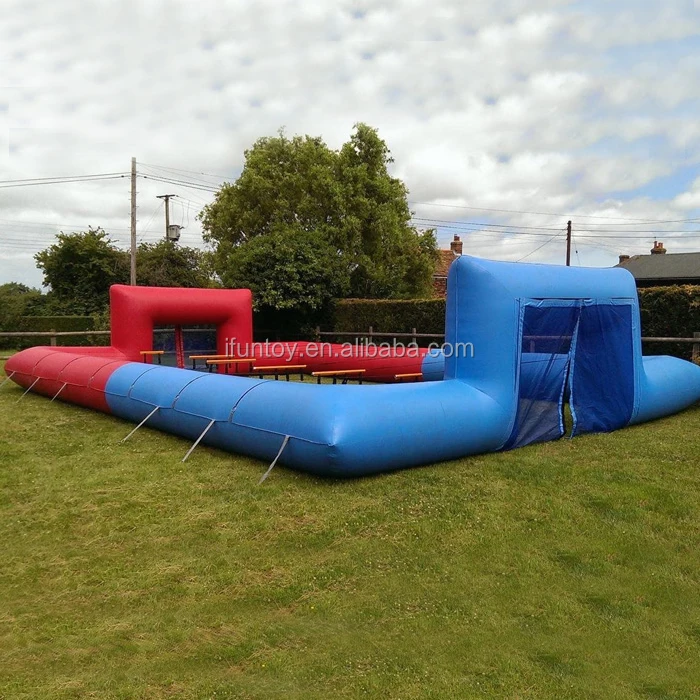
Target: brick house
<point>447,257</point>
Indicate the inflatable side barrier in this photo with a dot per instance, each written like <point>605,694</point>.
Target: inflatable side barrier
<point>521,341</point>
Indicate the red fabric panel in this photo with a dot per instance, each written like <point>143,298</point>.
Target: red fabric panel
<point>321,357</point>
<point>179,347</point>
<point>136,310</point>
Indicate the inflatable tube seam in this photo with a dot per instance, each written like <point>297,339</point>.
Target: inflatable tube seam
<point>133,383</point>
<point>68,364</point>
<point>182,389</point>
<point>241,397</point>
<point>96,372</point>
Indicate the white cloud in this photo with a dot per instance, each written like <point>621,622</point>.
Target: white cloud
<point>689,199</point>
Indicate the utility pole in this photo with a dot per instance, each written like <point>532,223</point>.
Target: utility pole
<point>568,244</point>
<point>133,222</point>
<point>167,198</point>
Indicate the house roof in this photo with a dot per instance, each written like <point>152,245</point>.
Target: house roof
<point>447,257</point>
<point>668,266</point>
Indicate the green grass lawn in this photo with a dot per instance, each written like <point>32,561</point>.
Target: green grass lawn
<point>564,570</point>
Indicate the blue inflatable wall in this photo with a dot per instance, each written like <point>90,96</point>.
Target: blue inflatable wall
<point>520,341</point>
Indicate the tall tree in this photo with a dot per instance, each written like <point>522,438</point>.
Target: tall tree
<point>346,198</point>
<point>166,264</point>
<point>80,268</point>
<point>390,258</point>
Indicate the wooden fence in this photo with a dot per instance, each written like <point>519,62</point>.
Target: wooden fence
<point>414,335</point>
<point>370,334</point>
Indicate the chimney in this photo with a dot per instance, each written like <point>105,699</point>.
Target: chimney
<point>658,248</point>
<point>624,258</point>
<point>456,245</point>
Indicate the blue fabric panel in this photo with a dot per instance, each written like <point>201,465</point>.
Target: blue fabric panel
<point>433,366</point>
<point>199,340</point>
<point>547,332</point>
<point>196,340</point>
<point>602,375</point>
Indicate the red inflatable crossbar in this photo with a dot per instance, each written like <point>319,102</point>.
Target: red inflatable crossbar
<point>136,310</point>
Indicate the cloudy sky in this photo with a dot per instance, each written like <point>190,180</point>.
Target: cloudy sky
<point>504,119</point>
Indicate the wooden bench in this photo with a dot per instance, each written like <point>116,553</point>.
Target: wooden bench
<point>343,374</point>
<point>194,358</point>
<point>277,370</point>
<point>227,362</point>
<point>409,375</point>
<point>151,354</point>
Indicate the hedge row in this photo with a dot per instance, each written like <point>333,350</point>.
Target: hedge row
<point>665,312</point>
<point>425,315</point>
<point>61,324</point>
<point>670,312</point>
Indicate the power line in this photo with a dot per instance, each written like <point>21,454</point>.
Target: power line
<point>478,230</point>
<point>601,246</point>
<point>151,173</point>
<point>540,247</point>
<point>182,183</point>
<point>450,223</point>
<point>504,229</point>
<point>63,181</point>
<point>180,203</point>
<point>544,213</point>
<point>191,172</point>
<point>59,177</point>
<point>48,223</point>
<point>573,238</point>
<point>649,222</point>
<point>523,234</point>
<point>645,231</point>
<point>633,220</point>
<point>490,225</point>
<point>36,237</point>
<point>672,235</point>
<point>197,202</point>
<point>150,220</point>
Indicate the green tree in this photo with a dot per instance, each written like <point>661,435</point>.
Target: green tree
<point>289,270</point>
<point>346,198</point>
<point>284,181</point>
<point>391,259</point>
<point>166,264</point>
<point>80,268</point>
<point>17,300</point>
